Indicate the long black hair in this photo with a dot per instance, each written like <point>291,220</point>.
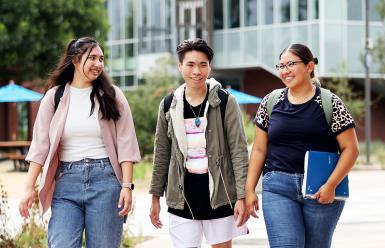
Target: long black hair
<point>102,86</point>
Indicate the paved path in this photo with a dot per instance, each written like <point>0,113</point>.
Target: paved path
<point>362,223</point>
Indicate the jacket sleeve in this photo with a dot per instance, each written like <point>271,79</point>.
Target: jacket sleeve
<point>127,143</point>
<point>38,151</point>
<point>237,144</point>
<point>162,154</point>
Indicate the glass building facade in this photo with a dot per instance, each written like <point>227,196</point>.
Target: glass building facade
<point>261,29</point>
<point>243,33</point>
<point>139,28</point>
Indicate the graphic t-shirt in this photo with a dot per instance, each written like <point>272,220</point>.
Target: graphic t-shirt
<point>196,181</point>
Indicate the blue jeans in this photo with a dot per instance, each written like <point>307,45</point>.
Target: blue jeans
<point>291,220</point>
<point>85,199</point>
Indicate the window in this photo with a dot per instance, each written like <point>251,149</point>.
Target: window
<point>234,17</point>
<point>129,81</point>
<point>354,10</point>
<point>218,14</point>
<point>316,9</point>
<point>199,22</point>
<point>269,11</point>
<point>156,21</point>
<point>302,10</point>
<point>115,19</point>
<point>168,16</point>
<point>145,23</point>
<point>373,13</point>
<point>129,18</point>
<point>129,60</point>
<point>285,11</point>
<point>250,12</point>
<point>116,58</point>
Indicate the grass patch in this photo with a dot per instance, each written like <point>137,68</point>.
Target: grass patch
<point>142,170</point>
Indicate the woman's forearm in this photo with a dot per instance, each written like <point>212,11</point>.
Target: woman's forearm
<point>127,171</point>
<point>33,172</point>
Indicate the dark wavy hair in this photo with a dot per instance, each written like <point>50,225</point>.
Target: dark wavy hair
<point>194,45</point>
<point>102,88</point>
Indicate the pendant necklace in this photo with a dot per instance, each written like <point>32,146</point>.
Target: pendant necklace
<point>197,120</point>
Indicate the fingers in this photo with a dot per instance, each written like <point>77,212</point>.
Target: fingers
<point>241,218</point>
<point>256,207</point>
<point>322,198</point>
<point>24,208</point>
<point>241,215</point>
<point>253,209</point>
<point>155,220</point>
<point>126,207</point>
<point>125,201</point>
<point>316,195</point>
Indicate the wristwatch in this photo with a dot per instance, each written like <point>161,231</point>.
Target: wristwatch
<point>128,185</point>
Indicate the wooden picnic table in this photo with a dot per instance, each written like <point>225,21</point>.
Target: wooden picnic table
<point>16,150</point>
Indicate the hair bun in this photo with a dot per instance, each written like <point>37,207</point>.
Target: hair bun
<point>315,60</point>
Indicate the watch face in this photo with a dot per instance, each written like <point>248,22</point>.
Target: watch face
<point>128,185</point>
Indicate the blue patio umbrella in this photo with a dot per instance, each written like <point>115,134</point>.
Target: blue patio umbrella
<point>16,93</point>
<point>243,98</point>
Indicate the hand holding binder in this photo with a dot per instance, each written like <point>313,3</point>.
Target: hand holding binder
<point>318,167</point>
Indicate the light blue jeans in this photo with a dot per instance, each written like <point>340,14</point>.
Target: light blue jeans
<point>85,198</point>
<point>291,220</point>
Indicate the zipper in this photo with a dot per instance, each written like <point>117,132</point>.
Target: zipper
<point>184,197</point>
<point>224,185</point>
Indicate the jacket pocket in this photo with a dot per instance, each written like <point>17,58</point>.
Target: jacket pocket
<point>172,191</point>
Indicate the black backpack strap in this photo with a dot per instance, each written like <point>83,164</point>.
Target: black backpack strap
<point>58,94</point>
<point>223,96</point>
<point>167,102</point>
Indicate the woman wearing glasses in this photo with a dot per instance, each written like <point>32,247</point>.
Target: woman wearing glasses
<point>297,123</point>
<point>85,144</point>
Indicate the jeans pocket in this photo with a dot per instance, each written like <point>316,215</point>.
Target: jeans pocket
<point>62,171</point>
<point>267,176</point>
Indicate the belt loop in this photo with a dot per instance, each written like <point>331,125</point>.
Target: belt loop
<point>69,165</point>
<point>102,163</point>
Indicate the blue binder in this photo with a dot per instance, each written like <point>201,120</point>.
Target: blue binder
<point>318,168</point>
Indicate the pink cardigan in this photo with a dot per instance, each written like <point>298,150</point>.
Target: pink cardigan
<point>118,136</point>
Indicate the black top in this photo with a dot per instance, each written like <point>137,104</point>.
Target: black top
<point>294,129</point>
<point>196,186</point>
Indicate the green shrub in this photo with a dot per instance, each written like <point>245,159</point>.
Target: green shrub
<point>144,101</point>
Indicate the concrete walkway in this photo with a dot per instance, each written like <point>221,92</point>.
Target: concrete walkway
<point>362,223</point>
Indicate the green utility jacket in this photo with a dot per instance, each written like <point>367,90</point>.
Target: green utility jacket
<point>226,149</point>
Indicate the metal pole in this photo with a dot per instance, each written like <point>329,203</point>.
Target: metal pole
<point>367,85</point>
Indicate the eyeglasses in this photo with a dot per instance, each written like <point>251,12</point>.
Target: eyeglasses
<point>289,65</point>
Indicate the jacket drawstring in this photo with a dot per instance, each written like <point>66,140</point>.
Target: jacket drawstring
<point>223,181</point>
<point>184,197</point>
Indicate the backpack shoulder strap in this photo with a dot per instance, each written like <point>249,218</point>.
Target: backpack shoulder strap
<point>224,97</point>
<point>326,99</point>
<point>273,97</point>
<point>58,94</point>
<point>167,102</point>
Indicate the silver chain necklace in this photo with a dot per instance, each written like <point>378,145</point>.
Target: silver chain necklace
<point>197,120</point>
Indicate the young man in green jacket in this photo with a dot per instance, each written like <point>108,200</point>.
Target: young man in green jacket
<point>200,156</point>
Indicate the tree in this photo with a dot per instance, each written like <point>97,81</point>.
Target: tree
<point>341,87</point>
<point>379,48</point>
<point>144,101</point>
<point>33,33</point>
